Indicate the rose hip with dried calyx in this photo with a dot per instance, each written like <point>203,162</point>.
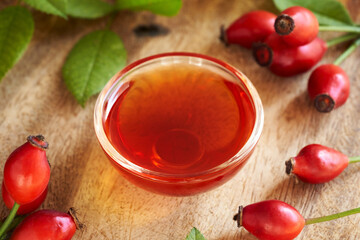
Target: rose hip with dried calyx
<point>26,175</point>
<point>329,85</point>
<point>27,170</point>
<point>316,163</point>
<point>297,26</point>
<point>287,61</point>
<point>47,224</point>
<point>251,27</point>
<point>277,220</point>
<point>270,219</point>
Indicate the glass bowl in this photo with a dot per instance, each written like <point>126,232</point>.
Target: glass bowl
<point>181,162</point>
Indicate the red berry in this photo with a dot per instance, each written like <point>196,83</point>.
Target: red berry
<point>286,61</point>
<point>317,164</point>
<point>45,224</point>
<point>26,208</point>
<point>298,26</point>
<point>271,220</point>
<point>27,171</point>
<point>252,27</point>
<point>329,87</point>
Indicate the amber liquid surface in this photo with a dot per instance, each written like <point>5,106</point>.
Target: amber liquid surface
<point>179,118</point>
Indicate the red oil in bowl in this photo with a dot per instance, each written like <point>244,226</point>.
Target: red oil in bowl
<point>179,123</point>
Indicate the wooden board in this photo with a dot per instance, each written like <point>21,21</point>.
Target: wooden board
<point>35,100</point>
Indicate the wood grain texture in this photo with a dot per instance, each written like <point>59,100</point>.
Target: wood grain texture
<point>35,100</point>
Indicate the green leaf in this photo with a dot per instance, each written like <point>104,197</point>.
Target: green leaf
<point>328,12</point>
<point>92,62</point>
<point>16,30</point>
<point>89,8</point>
<point>55,7</point>
<point>162,7</point>
<point>195,234</point>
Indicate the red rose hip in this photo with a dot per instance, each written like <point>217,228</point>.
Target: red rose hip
<point>27,171</point>
<point>252,27</point>
<point>297,25</point>
<point>328,87</point>
<point>46,224</point>
<point>26,208</point>
<point>271,220</point>
<point>277,220</point>
<point>316,163</point>
<point>287,61</point>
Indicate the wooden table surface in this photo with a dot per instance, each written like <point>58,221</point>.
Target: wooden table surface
<point>34,99</point>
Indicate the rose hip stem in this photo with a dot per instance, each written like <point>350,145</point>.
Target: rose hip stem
<point>348,51</point>
<point>332,217</point>
<point>16,221</point>
<point>354,159</point>
<point>341,39</point>
<point>9,219</point>
<point>354,29</point>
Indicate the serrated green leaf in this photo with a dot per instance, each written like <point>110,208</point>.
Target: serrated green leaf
<point>328,12</point>
<point>92,62</point>
<point>16,30</point>
<point>195,234</point>
<point>162,7</point>
<point>55,7</point>
<point>89,8</point>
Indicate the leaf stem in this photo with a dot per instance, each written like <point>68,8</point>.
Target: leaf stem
<point>354,159</point>
<point>341,39</point>
<point>332,217</point>
<point>354,29</point>
<point>9,219</point>
<point>348,51</point>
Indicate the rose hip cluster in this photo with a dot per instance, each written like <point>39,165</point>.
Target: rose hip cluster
<point>24,188</point>
<point>288,45</point>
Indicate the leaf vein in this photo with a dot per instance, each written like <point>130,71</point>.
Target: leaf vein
<point>92,64</point>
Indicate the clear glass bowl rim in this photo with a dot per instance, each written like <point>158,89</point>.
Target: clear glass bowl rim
<point>143,172</point>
